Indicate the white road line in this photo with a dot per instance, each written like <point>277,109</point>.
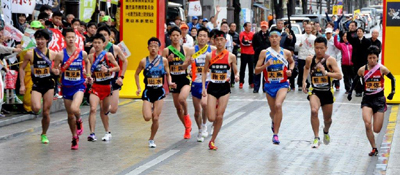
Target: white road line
<point>230,119</point>
<point>153,162</point>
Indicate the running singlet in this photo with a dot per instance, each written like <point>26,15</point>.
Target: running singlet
<point>154,78</point>
<point>275,73</point>
<point>198,65</point>
<point>40,68</point>
<point>73,75</point>
<point>100,77</point>
<point>374,83</point>
<point>175,66</point>
<point>319,81</point>
<point>219,67</point>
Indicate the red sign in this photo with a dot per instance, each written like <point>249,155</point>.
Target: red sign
<point>57,42</point>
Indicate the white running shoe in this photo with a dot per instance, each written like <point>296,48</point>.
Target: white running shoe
<point>316,143</point>
<point>200,137</point>
<point>152,144</point>
<point>107,137</point>
<point>204,132</point>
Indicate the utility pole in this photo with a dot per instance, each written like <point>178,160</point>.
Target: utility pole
<point>230,11</point>
<point>73,7</point>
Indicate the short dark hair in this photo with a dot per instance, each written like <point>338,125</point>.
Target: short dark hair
<point>57,13</point>
<point>90,24</point>
<point>175,28</point>
<point>99,36</point>
<point>66,30</point>
<point>102,24</point>
<point>154,39</point>
<point>231,24</point>
<point>194,28</point>
<point>321,39</point>
<point>245,24</point>
<point>290,48</point>
<point>104,28</point>
<point>42,33</point>
<point>360,28</point>
<point>204,30</point>
<point>355,23</point>
<point>74,20</point>
<point>373,50</point>
<point>212,33</point>
<point>43,16</point>
<point>222,23</point>
<point>220,33</point>
<point>82,23</point>
<point>44,8</point>
<point>330,23</point>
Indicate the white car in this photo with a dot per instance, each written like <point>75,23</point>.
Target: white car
<point>297,32</point>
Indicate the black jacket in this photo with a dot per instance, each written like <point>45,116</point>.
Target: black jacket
<point>235,38</point>
<point>260,42</point>
<point>286,42</point>
<point>376,43</point>
<point>360,56</point>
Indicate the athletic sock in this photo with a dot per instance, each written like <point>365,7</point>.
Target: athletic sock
<point>325,132</point>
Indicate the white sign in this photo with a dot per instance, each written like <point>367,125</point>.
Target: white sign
<point>124,49</point>
<point>12,32</point>
<point>23,6</point>
<point>6,8</point>
<point>194,8</point>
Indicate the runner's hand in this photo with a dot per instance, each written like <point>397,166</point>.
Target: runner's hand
<point>270,62</point>
<point>289,73</point>
<point>204,92</point>
<point>104,69</point>
<point>89,80</point>
<point>390,96</point>
<point>171,57</point>
<point>22,90</point>
<point>305,88</point>
<point>236,78</point>
<point>119,81</point>
<point>321,67</point>
<point>56,71</point>
<point>138,91</point>
<point>349,97</point>
<point>172,85</point>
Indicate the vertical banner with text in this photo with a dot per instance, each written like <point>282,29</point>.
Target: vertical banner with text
<point>140,20</point>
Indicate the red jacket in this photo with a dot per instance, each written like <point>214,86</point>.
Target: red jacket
<point>246,45</point>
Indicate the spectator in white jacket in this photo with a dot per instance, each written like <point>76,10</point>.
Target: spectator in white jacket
<point>186,40</point>
<point>306,48</point>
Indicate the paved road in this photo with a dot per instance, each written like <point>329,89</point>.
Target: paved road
<point>244,143</point>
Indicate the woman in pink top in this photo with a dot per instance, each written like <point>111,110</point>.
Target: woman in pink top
<point>347,66</point>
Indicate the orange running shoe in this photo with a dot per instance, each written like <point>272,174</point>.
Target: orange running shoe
<point>240,85</point>
<point>75,141</point>
<point>187,121</point>
<point>187,133</point>
<point>212,146</point>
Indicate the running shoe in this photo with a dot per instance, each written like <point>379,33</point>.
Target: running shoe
<point>204,132</point>
<point>275,140</point>
<point>44,139</point>
<point>299,88</point>
<point>75,141</point>
<point>272,127</point>
<point>187,133</point>
<point>79,127</point>
<point>152,144</point>
<point>327,139</point>
<point>107,137</point>
<point>315,143</point>
<point>200,138</point>
<point>358,94</point>
<point>337,88</point>
<point>91,137</point>
<point>187,121</point>
<point>374,152</point>
<point>212,146</point>
<point>240,85</point>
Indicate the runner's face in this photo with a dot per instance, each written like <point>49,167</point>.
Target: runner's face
<point>175,37</point>
<point>153,48</point>
<point>220,42</point>
<point>202,38</point>
<point>274,39</point>
<point>106,35</point>
<point>320,49</point>
<point>98,45</point>
<point>372,59</point>
<point>41,42</point>
<point>70,39</point>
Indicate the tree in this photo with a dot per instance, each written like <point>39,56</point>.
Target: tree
<point>304,6</point>
<point>328,6</point>
<point>291,6</point>
<point>278,8</point>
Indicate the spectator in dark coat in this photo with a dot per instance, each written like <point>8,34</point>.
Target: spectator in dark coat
<point>260,42</point>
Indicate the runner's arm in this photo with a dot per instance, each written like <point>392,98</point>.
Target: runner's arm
<point>189,52</point>
<point>91,50</point>
<point>260,63</point>
<point>306,69</point>
<point>166,67</point>
<point>205,71</point>
<point>115,67</point>
<point>27,59</point>
<point>386,72</point>
<point>290,60</point>
<point>122,57</point>
<point>57,60</point>
<point>138,70</point>
<point>234,65</point>
<point>335,68</point>
<point>87,64</point>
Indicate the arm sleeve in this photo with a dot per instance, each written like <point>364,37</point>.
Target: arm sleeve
<point>337,45</point>
<point>391,77</point>
<point>327,17</point>
<point>4,49</point>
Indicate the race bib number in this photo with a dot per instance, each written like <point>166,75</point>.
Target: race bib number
<point>200,69</point>
<point>154,82</point>
<point>275,75</point>
<point>218,77</point>
<point>72,75</point>
<point>41,72</point>
<point>177,70</point>
<point>373,85</point>
<point>320,81</point>
<point>103,76</point>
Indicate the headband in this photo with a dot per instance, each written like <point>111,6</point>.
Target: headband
<point>274,32</point>
<point>154,42</point>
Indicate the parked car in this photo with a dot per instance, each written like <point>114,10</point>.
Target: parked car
<point>321,18</point>
<point>174,10</point>
<point>367,25</point>
<point>379,9</point>
<point>297,20</point>
<point>374,13</point>
<point>297,30</point>
<point>371,20</point>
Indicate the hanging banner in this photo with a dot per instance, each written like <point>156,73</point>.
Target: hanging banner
<point>87,8</point>
<point>12,32</point>
<point>54,4</point>
<point>23,6</point>
<point>195,8</point>
<point>6,8</point>
<point>57,42</point>
<point>79,42</point>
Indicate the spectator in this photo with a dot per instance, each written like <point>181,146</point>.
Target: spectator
<point>335,22</point>
<point>247,53</point>
<point>68,20</point>
<point>272,20</point>
<point>82,28</point>
<point>193,34</point>
<point>57,20</point>
<point>46,9</point>
<point>114,35</point>
<point>332,51</point>
<point>200,22</point>
<point>347,65</point>
<point>260,42</point>
<point>178,21</point>
<point>101,15</point>
<point>225,29</point>
<point>91,31</point>
<point>194,23</point>
<point>107,20</point>
<point>21,24</point>
<point>186,40</point>
<point>236,45</point>
<point>204,23</point>
<point>287,39</point>
<point>318,28</point>
<point>43,17</point>
<point>306,48</point>
<point>213,20</point>
<point>374,39</point>
<point>295,71</point>
<point>304,25</point>
<point>224,20</point>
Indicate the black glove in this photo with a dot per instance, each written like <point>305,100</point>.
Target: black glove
<point>349,97</point>
<point>390,96</point>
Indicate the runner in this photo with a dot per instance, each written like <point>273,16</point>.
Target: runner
<point>43,81</point>
<point>320,94</point>
<point>178,63</point>
<point>117,81</point>
<point>373,103</point>
<point>219,62</point>
<point>73,86</point>
<point>198,53</point>
<point>155,68</point>
<point>277,64</point>
<point>103,66</point>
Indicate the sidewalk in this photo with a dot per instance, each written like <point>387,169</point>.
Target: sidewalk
<point>394,155</point>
